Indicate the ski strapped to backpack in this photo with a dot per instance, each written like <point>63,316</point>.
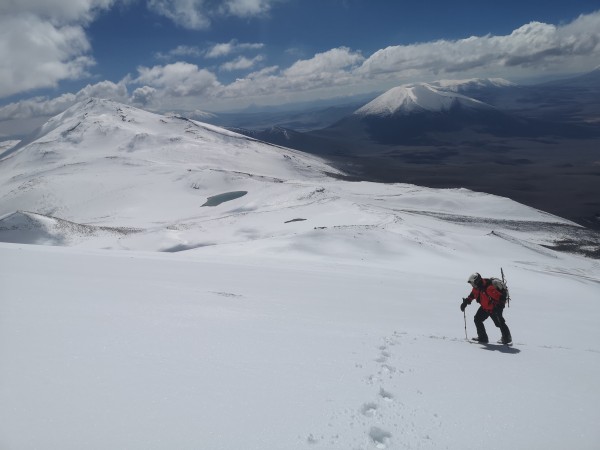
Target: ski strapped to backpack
<point>502,286</point>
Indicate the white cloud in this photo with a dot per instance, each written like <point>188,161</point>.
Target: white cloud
<point>241,63</point>
<point>233,46</point>
<point>44,107</point>
<point>35,53</point>
<point>180,51</point>
<point>329,62</point>
<point>36,107</point>
<point>327,69</point>
<point>534,46</point>
<point>58,11</point>
<point>143,95</point>
<point>43,42</point>
<point>247,8</point>
<point>186,13</point>
<point>219,50</point>
<point>105,89</point>
<point>178,79</point>
<point>267,71</point>
<point>199,14</point>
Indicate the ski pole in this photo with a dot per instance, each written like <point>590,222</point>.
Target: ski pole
<point>465,316</point>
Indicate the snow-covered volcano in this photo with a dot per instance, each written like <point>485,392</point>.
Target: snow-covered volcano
<point>104,163</point>
<point>423,114</point>
<point>415,98</point>
<point>292,309</point>
<point>106,129</point>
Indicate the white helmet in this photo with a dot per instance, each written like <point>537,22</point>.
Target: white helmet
<point>474,280</point>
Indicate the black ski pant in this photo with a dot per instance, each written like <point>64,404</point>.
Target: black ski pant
<point>481,315</point>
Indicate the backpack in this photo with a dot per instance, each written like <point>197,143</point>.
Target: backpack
<point>501,287</point>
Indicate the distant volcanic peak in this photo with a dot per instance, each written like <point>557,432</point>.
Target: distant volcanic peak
<point>419,97</point>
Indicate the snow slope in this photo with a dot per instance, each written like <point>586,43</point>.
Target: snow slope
<point>155,351</point>
<point>418,97</point>
<point>299,312</point>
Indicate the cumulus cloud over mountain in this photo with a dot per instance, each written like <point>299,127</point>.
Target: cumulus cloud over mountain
<point>531,45</point>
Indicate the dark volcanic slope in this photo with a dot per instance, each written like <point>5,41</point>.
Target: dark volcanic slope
<point>558,175</point>
<point>536,174</point>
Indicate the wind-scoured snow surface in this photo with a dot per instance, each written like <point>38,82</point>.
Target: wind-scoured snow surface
<point>292,311</point>
<point>417,97</point>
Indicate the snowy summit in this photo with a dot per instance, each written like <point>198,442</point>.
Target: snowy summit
<point>418,97</point>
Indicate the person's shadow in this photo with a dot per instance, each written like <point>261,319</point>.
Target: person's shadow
<point>501,348</point>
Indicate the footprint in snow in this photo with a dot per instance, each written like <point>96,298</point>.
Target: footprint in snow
<point>387,396</point>
<point>380,437</point>
<point>388,370</point>
<point>372,379</point>
<point>369,409</point>
<point>384,355</point>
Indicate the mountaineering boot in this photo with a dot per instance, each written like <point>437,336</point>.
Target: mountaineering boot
<point>482,336</point>
<point>506,337</point>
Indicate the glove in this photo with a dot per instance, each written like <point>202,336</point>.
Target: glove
<point>464,304</point>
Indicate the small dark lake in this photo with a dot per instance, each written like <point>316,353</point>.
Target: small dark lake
<point>216,200</point>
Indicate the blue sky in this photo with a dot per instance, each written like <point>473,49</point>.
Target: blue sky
<point>192,55</point>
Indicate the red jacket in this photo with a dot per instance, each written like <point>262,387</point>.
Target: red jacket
<point>488,296</point>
